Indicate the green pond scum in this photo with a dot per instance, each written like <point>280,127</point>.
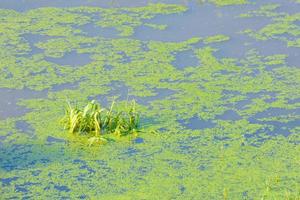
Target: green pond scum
<point>283,26</point>
<point>253,155</point>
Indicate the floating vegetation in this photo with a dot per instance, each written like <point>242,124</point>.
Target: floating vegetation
<point>224,2</point>
<point>246,157</point>
<point>283,26</point>
<point>95,121</point>
<point>228,2</point>
<point>216,38</point>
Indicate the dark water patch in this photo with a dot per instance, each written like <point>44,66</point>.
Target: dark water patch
<point>161,94</point>
<point>3,137</point>
<point>36,172</point>
<point>25,127</point>
<point>240,105</point>
<point>138,140</point>
<point>272,67</point>
<point>144,170</point>
<point>194,23</point>
<point>87,45</point>
<point>104,166</point>
<point>185,59</point>
<point>83,165</point>
<point>258,136</point>
<point>65,86</point>
<point>176,164</point>
<point>231,92</point>
<point>52,140</point>
<point>33,39</point>
<point>196,123</point>
<point>89,169</point>
<point>78,161</point>
<point>144,46</point>
<point>25,5</point>
<point>272,129</point>
<point>293,101</point>
<point>92,30</point>
<point>131,152</point>
<point>272,46</point>
<point>229,115</point>
<point>287,36</point>
<point>293,57</point>
<point>202,168</point>
<point>119,91</point>
<point>269,97</point>
<point>125,58</point>
<point>108,67</point>
<point>62,188</point>
<point>234,48</point>
<point>181,188</point>
<point>186,149</point>
<point>221,138</point>
<point>28,156</point>
<point>10,97</point>
<point>83,196</point>
<point>276,127</point>
<point>24,188</point>
<point>8,181</point>
<point>276,123</point>
<point>276,112</point>
<point>72,58</point>
<point>153,153</point>
<point>14,157</point>
<point>284,126</point>
<point>20,189</point>
<point>288,7</point>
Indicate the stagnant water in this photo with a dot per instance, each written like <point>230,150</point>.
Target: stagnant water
<point>217,83</point>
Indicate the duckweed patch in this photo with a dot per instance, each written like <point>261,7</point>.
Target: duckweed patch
<point>225,2</point>
<point>283,26</point>
<point>216,38</point>
<point>243,157</point>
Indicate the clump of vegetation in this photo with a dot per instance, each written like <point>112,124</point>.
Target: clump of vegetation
<point>95,121</point>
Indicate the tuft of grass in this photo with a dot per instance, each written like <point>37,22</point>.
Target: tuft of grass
<point>95,121</point>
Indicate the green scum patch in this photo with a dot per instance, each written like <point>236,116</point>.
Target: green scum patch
<point>245,157</point>
<point>283,26</point>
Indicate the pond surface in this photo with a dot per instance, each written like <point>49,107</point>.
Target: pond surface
<point>217,83</point>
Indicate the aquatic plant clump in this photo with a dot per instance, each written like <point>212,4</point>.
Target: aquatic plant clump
<point>95,121</point>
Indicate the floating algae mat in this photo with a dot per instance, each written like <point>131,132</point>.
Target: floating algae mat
<point>217,91</point>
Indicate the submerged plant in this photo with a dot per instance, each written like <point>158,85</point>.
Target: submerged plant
<point>95,121</point>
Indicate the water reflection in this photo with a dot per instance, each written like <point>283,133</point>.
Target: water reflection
<point>10,97</point>
<point>72,58</point>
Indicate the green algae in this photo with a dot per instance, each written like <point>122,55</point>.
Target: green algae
<point>236,156</point>
<point>228,2</point>
<point>282,27</point>
<point>216,38</point>
<point>125,20</point>
<point>224,2</point>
